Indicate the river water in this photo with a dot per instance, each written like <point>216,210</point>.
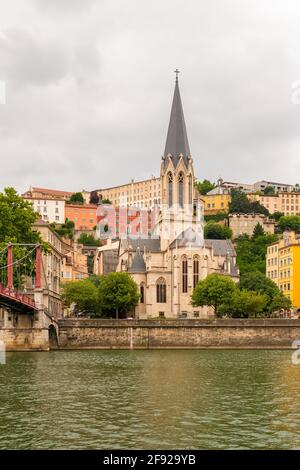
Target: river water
<point>150,400</point>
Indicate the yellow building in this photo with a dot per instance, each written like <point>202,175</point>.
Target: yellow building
<point>283,266</point>
<point>214,203</point>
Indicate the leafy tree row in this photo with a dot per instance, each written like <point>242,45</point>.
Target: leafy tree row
<point>251,251</point>
<point>255,296</point>
<point>112,295</point>
<point>216,231</point>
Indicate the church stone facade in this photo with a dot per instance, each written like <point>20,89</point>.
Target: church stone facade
<point>168,265</point>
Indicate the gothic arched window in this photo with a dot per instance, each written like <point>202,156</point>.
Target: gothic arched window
<point>161,291</point>
<point>195,271</point>
<point>142,293</point>
<point>184,275</point>
<point>170,189</point>
<point>180,189</point>
<point>190,189</point>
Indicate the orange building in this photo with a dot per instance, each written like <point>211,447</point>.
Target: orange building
<point>84,216</point>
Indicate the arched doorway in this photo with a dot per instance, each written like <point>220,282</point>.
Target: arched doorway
<point>53,339</point>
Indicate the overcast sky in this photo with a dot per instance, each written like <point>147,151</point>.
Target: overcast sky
<point>89,85</point>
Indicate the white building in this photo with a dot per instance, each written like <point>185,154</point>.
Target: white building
<point>50,210</point>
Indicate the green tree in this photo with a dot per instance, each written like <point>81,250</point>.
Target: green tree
<point>258,231</point>
<point>117,292</point>
<point>258,282</point>
<point>65,230</point>
<point>205,186</point>
<point>289,222</point>
<point>245,304</point>
<point>83,294</point>
<point>279,302</point>
<point>213,291</point>
<point>216,217</point>
<point>257,208</point>
<point>89,240</point>
<point>269,191</point>
<point>251,253</point>
<point>216,231</point>
<point>94,198</point>
<point>77,198</point>
<point>241,204</point>
<point>16,219</point>
<point>106,201</point>
<point>277,215</point>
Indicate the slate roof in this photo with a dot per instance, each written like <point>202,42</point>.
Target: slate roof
<point>177,141</point>
<point>220,247</point>
<point>148,244</point>
<point>138,263</point>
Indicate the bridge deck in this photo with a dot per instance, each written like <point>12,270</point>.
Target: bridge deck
<point>16,300</point>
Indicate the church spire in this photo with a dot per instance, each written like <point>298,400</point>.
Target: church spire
<point>177,141</point>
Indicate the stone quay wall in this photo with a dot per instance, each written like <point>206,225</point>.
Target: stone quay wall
<point>178,334</point>
<point>25,339</point>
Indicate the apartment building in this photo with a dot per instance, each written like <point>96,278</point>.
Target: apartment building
<point>146,193</point>
<point>50,210</point>
<point>261,185</point>
<point>45,193</point>
<point>51,261</point>
<point>286,202</point>
<point>74,265</point>
<point>283,266</point>
<point>84,216</point>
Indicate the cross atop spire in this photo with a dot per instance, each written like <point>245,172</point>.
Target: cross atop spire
<point>177,141</point>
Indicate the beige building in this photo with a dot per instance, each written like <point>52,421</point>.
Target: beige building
<point>74,265</point>
<point>45,193</point>
<point>168,265</point>
<point>146,193</point>
<point>51,268</point>
<point>244,224</point>
<point>286,202</point>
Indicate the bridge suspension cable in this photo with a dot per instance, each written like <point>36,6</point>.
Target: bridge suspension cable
<point>18,261</point>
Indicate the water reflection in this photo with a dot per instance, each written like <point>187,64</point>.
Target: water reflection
<point>149,399</point>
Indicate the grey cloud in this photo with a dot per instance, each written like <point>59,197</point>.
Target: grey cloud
<point>101,83</point>
<point>27,59</point>
<point>58,7</point>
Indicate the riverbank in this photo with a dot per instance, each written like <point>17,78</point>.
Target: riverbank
<point>73,334</point>
<point>177,334</point>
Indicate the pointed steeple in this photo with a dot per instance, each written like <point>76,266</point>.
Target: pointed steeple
<point>177,141</point>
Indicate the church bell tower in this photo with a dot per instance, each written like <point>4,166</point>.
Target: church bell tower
<point>180,208</point>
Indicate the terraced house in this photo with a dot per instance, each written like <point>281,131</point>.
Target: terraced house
<point>283,266</point>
